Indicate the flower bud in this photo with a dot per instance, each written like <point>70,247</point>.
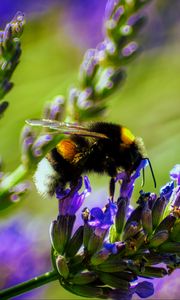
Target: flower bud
<point>5,87</point>
<point>129,51</point>
<point>108,80</point>
<point>158,210</point>
<point>17,191</point>
<point>120,215</point>
<point>134,216</point>
<point>147,220</point>
<point>7,37</point>
<point>112,280</point>
<point>140,239</point>
<point>76,260</point>
<point>84,278</point>
<point>159,238</point>
<point>3,106</point>
<point>100,257</point>
<point>75,243</point>
<point>62,266</point>
<point>86,234</point>
<point>18,23</point>
<point>54,110</point>
<point>60,232</point>
<point>167,223</point>
<point>153,272</point>
<point>27,139</point>
<point>86,290</point>
<point>95,243</point>
<point>170,247</point>
<point>111,265</point>
<point>41,143</point>
<point>132,229</point>
<point>126,275</point>
<point>88,67</point>
<point>55,236</point>
<point>175,233</point>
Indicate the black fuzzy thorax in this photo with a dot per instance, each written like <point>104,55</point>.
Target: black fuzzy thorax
<point>109,155</point>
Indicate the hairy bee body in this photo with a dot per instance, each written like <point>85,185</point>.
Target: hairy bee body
<point>77,154</point>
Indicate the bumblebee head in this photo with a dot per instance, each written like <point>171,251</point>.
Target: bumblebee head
<point>129,140</point>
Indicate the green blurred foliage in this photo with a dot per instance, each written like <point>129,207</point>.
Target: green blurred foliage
<point>148,104</point>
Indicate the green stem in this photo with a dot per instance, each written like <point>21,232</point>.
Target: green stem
<point>28,285</point>
<point>13,178</point>
<point>8,182</point>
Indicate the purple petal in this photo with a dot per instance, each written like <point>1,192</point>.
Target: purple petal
<point>129,49</point>
<point>97,213</point>
<point>166,190</point>
<point>110,247</point>
<point>118,13</point>
<point>110,6</point>
<point>110,213</point>
<point>175,173</point>
<point>70,200</point>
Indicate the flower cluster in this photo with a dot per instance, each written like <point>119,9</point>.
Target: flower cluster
<point>103,68</point>
<point>10,51</point>
<point>117,244</point>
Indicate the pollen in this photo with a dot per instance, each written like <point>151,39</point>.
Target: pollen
<point>127,136</point>
<point>67,149</point>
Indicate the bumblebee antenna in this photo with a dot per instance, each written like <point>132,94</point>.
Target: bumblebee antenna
<point>152,172</point>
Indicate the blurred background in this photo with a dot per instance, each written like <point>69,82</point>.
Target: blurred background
<point>56,35</point>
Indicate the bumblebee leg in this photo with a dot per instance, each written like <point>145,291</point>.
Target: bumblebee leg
<point>112,188</point>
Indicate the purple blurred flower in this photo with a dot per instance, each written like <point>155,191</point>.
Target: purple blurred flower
<point>167,287</point>
<point>23,254</point>
<point>8,8</point>
<point>86,17</point>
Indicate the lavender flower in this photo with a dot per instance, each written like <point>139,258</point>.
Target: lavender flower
<point>10,51</point>
<point>108,252</point>
<point>70,200</point>
<point>102,71</point>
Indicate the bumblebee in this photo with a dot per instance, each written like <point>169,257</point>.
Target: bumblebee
<point>96,147</point>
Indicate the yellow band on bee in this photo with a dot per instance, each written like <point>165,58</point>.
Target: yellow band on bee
<point>67,149</point>
<point>127,136</point>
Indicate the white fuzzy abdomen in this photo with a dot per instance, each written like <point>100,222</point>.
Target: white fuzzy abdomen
<point>45,178</point>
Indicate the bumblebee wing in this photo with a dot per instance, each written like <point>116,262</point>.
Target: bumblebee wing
<point>66,128</point>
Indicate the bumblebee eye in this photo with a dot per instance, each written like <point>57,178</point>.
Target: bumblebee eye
<point>67,149</point>
<point>126,136</point>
